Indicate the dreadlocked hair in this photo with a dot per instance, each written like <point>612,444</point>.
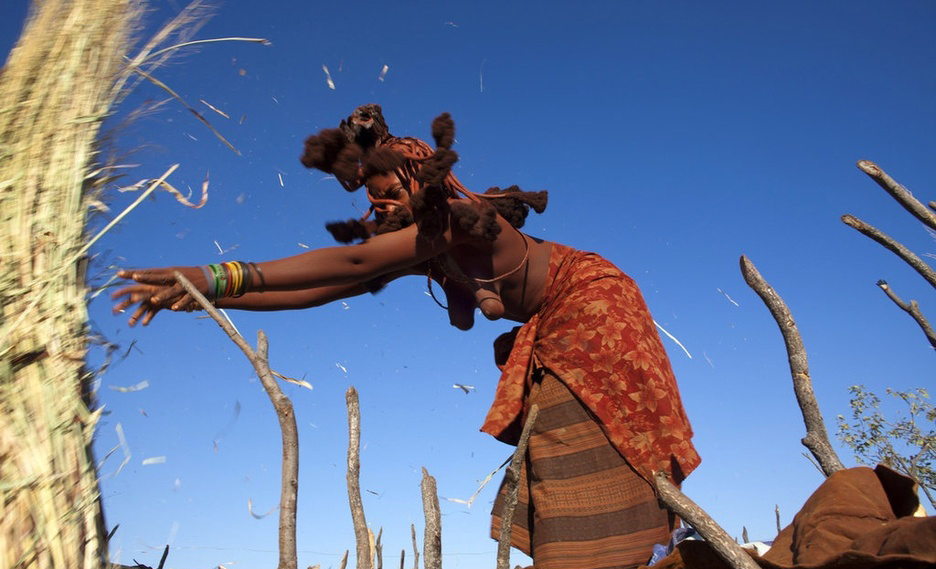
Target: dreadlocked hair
<point>393,221</point>
<point>431,211</point>
<point>514,205</point>
<point>443,131</point>
<point>382,160</point>
<point>362,147</point>
<point>430,204</point>
<point>478,219</point>
<point>331,152</point>
<point>351,230</point>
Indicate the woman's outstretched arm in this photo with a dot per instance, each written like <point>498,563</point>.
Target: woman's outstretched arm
<point>142,295</point>
<point>321,276</point>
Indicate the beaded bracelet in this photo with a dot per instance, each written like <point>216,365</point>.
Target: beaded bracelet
<point>212,292</point>
<point>220,280</point>
<point>230,279</point>
<point>243,280</point>
<point>234,280</point>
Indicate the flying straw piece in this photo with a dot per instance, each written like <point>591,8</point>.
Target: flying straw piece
<point>731,300</point>
<point>154,460</point>
<point>673,338</point>
<point>231,322</point>
<point>280,176</point>
<point>484,483</point>
<point>341,367</point>
<point>303,245</point>
<point>465,388</point>
<point>198,115</point>
<point>124,446</point>
<point>481,74</point>
<point>103,287</point>
<point>173,531</point>
<point>328,79</point>
<point>299,382</point>
<point>182,199</point>
<point>258,516</point>
<point>242,119</point>
<point>383,73</point>
<point>223,251</point>
<point>144,57</point>
<point>231,422</point>
<point>215,109</point>
<point>138,387</point>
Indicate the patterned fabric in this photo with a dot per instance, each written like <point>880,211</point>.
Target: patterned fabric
<point>595,333</point>
<point>580,505</point>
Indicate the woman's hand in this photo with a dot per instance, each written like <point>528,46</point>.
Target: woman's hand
<point>155,290</point>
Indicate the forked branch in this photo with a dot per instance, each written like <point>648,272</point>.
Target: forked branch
<point>816,439</point>
<point>911,308</point>
<point>287,419</point>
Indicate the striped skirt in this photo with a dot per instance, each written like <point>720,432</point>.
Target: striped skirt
<point>581,505</point>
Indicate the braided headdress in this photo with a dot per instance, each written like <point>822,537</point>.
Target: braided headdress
<point>362,146</point>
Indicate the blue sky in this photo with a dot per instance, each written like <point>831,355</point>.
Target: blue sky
<point>672,136</point>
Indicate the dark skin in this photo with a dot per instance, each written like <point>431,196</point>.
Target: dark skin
<point>324,275</point>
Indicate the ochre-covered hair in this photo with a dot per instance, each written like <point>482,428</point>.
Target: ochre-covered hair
<point>362,146</point>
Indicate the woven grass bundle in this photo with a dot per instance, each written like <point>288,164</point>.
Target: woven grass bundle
<point>58,84</point>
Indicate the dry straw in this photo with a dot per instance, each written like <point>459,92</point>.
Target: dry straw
<point>65,75</point>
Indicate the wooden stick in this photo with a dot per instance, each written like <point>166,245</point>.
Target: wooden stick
<point>289,481</point>
<point>379,549</point>
<point>913,309</point>
<point>412,528</point>
<point>898,192</point>
<point>816,439</point>
<point>695,516</point>
<point>432,538</point>
<point>512,477</point>
<point>889,243</point>
<point>361,536</point>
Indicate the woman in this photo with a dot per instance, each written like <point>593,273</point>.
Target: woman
<point>587,354</point>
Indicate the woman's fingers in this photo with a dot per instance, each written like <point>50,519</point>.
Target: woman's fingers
<point>131,295</point>
<point>140,311</point>
<point>154,290</point>
<point>149,276</point>
<point>150,314</point>
<point>168,295</point>
<point>186,303</point>
<point>122,306</point>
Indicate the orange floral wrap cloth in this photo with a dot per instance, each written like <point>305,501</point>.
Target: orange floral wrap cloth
<point>595,333</point>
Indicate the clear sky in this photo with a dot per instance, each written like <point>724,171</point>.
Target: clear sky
<point>672,136</point>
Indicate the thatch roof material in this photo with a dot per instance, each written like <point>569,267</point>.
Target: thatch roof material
<point>57,86</point>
